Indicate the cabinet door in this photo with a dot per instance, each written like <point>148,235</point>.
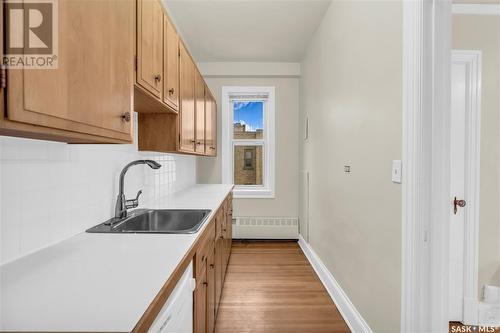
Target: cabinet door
<point>210,124</point>
<point>171,65</point>
<point>199,88</point>
<point>229,228</point>
<point>224,241</point>
<point>219,249</point>
<point>150,46</point>
<point>92,87</point>
<point>211,292</point>
<point>200,302</point>
<point>187,111</point>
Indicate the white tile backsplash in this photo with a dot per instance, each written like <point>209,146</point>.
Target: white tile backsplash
<point>50,191</point>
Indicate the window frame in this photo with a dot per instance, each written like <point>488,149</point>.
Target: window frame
<point>266,94</point>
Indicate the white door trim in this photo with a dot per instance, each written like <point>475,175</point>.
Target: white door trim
<point>472,59</point>
<point>426,138</point>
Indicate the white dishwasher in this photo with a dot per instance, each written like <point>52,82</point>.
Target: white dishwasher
<point>176,316</point>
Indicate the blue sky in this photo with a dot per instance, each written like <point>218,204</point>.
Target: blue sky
<point>250,114</point>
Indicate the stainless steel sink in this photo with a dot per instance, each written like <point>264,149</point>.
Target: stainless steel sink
<point>155,221</point>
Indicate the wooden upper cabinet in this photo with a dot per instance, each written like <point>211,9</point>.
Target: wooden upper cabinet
<point>199,88</point>
<point>170,65</point>
<point>179,114</point>
<point>88,98</point>
<point>210,124</point>
<point>187,96</point>
<point>150,46</point>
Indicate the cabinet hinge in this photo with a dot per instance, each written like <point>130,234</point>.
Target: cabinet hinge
<point>135,62</point>
<point>3,77</point>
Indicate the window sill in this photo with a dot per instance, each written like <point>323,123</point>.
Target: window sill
<point>240,193</point>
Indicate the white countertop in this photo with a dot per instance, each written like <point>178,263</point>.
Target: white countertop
<point>98,282</point>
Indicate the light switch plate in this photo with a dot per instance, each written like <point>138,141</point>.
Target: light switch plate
<point>396,171</point>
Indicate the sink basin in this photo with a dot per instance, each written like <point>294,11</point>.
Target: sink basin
<point>155,221</point>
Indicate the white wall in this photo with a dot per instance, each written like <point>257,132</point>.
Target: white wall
<point>50,191</point>
<point>351,91</point>
<point>285,202</point>
<point>482,32</point>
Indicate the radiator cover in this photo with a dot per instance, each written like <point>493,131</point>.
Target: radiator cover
<point>252,227</point>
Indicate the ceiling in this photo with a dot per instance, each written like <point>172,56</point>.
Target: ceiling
<point>247,30</point>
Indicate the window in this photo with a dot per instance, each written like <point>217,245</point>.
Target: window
<point>248,140</point>
<point>249,159</point>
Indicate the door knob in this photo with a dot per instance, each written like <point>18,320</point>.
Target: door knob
<point>458,203</point>
<point>171,91</point>
<point>157,77</point>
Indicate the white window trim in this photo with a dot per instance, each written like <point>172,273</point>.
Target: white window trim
<point>249,192</point>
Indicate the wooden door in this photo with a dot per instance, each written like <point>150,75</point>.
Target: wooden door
<point>150,46</point>
<point>464,182</point>
<point>187,95</point>
<point>199,88</point>
<point>211,291</point>
<point>210,124</point>
<point>91,90</point>
<point>171,65</point>
<point>200,302</point>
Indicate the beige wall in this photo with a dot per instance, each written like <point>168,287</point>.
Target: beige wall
<point>287,148</point>
<point>482,32</point>
<point>351,91</point>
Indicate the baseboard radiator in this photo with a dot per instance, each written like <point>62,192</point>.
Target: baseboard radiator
<point>252,227</point>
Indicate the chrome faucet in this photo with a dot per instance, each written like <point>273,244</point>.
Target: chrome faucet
<point>122,204</point>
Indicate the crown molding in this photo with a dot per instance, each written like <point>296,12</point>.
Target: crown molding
<point>249,69</point>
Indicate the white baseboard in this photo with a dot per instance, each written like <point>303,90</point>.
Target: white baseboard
<point>350,314</point>
<point>489,314</point>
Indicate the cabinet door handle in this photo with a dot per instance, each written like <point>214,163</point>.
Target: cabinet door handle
<point>205,283</point>
<point>126,117</point>
<point>171,91</point>
<point>157,78</point>
<point>212,266</point>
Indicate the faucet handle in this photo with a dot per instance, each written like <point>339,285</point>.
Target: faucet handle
<point>133,203</point>
<point>138,195</point>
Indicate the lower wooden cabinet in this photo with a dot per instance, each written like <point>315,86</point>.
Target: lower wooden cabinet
<point>211,261</point>
<point>211,292</point>
<point>200,301</point>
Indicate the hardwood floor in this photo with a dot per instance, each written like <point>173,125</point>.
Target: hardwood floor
<point>271,287</point>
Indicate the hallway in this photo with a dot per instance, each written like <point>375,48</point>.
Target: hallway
<point>271,287</point>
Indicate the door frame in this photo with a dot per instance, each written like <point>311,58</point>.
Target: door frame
<point>425,154</point>
<point>472,59</point>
